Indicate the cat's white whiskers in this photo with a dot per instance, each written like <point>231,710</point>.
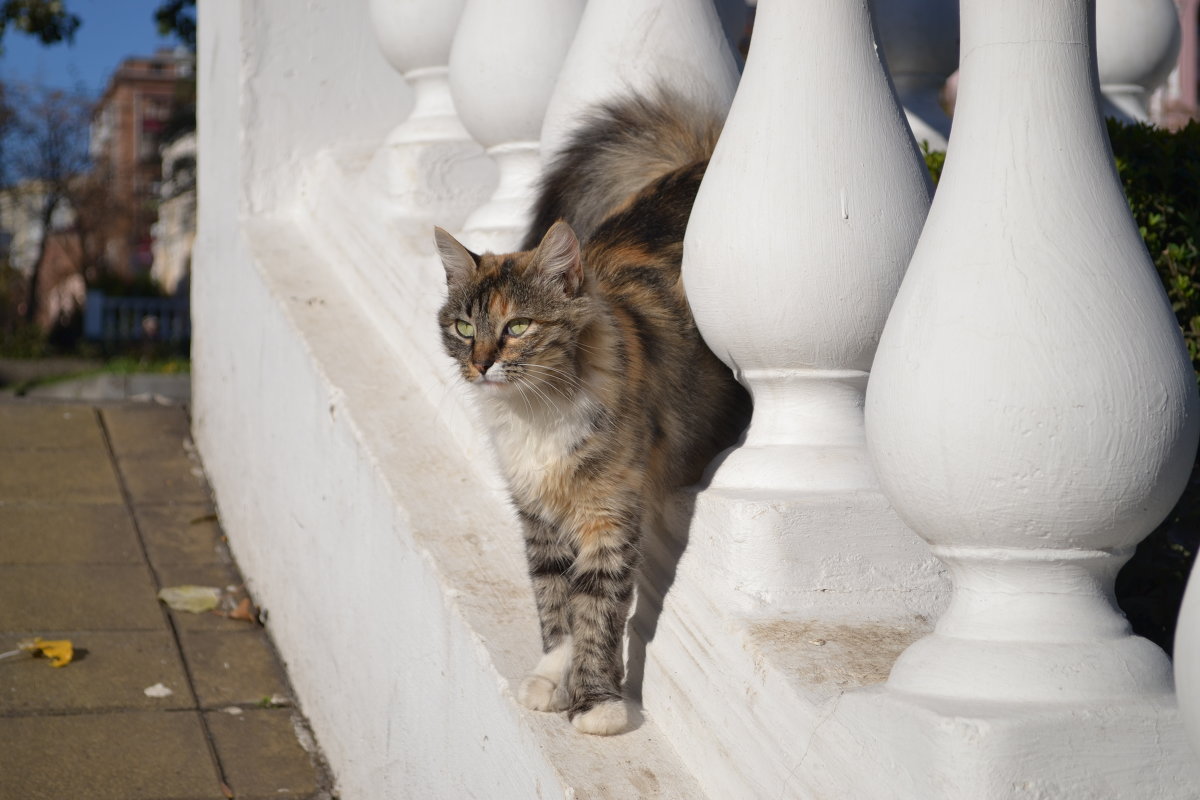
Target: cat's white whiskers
<point>523,380</point>
<point>567,376</point>
<point>518,385</point>
<point>558,377</point>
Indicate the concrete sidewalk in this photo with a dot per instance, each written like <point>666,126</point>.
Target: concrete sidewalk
<point>101,506</point>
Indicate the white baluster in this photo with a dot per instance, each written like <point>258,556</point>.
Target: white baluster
<point>429,166</point>
<point>1187,660</point>
<point>796,246</point>
<point>1137,42</point>
<point>920,43</point>
<point>625,46</point>
<point>1032,413</point>
<point>503,65</point>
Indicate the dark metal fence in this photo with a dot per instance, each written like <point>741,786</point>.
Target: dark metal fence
<point>117,320</point>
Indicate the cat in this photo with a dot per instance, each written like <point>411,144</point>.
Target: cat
<point>599,393</point>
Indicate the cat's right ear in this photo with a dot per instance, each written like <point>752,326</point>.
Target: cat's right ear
<point>459,262</point>
<point>558,257</point>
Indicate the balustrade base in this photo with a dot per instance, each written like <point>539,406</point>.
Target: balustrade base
<point>437,182</point>
<point>1116,749</point>
<point>795,706</point>
<point>798,551</point>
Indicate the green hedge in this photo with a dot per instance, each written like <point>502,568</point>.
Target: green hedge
<point>1160,171</point>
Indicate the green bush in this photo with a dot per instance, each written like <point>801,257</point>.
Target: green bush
<point>1160,171</point>
<point>934,161</point>
<point>1161,174</point>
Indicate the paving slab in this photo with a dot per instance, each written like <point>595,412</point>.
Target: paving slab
<point>107,387</point>
<point>28,427</point>
<point>86,477</point>
<point>38,597</point>
<point>147,430</point>
<point>116,756</point>
<point>232,667</point>
<point>99,508</point>
<point>110,672</point>
<point>181,534</point>
<point>45,533</point>
<point>165,480</point>
<point>261,754</point>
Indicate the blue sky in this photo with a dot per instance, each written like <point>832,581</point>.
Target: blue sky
<point>111,31</point>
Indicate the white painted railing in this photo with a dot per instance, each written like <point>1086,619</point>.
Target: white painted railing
<point>1029,412</point>
<point>430,168</point>
<point>790,284</point>
<point>1033,413</point>
<point>503,67</point>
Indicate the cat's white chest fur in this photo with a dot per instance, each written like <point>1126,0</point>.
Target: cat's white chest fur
<point>533,447</point>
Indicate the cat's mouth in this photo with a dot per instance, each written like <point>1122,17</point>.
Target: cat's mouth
<point>492,382</point>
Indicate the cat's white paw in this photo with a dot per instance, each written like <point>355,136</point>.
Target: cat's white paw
<point>603,719</point>
<point>545,689</point>
<point>562,696</point>
<point>538,692</point>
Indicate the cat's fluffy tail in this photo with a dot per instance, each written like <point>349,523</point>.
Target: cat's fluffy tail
<point>620,147</point>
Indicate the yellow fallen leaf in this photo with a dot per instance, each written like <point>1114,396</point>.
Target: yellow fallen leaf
<point>59,651</point>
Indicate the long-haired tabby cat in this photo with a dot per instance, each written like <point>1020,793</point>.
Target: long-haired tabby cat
<point>598,391</point>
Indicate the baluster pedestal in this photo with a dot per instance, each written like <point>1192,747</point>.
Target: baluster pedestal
<point>428,168</point>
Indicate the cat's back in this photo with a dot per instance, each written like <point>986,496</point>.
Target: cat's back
<point>636,254</point>
<point>618,149</point>
<point>670,377</point>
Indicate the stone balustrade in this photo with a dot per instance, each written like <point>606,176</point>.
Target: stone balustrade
<point>1033,412</point>
<point>430,168</point>
<point>967,413</point>
<point>504,64</point>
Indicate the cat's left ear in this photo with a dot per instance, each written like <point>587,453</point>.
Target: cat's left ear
<point>558,257</point>
<point>458,260</point>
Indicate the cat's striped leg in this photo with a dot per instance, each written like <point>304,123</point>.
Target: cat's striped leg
<point>601,592</point>
<point>545,689</point>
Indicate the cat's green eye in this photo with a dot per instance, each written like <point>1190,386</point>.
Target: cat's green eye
<point>464,328</point>
<point>518,326</point>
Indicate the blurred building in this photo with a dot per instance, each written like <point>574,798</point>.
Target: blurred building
<point>175,229</point>
<point>128,126</point>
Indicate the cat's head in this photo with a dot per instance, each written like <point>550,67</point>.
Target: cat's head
<point>512,321</point>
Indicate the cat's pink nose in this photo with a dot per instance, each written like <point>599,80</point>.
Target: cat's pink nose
<point>483,366</point>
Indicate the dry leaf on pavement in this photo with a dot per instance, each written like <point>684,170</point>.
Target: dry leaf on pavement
<point>59,651</point>
<point>196,599</point>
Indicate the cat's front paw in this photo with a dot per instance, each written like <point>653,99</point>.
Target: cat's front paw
<point>603,719</point>
<point>541,694</point>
